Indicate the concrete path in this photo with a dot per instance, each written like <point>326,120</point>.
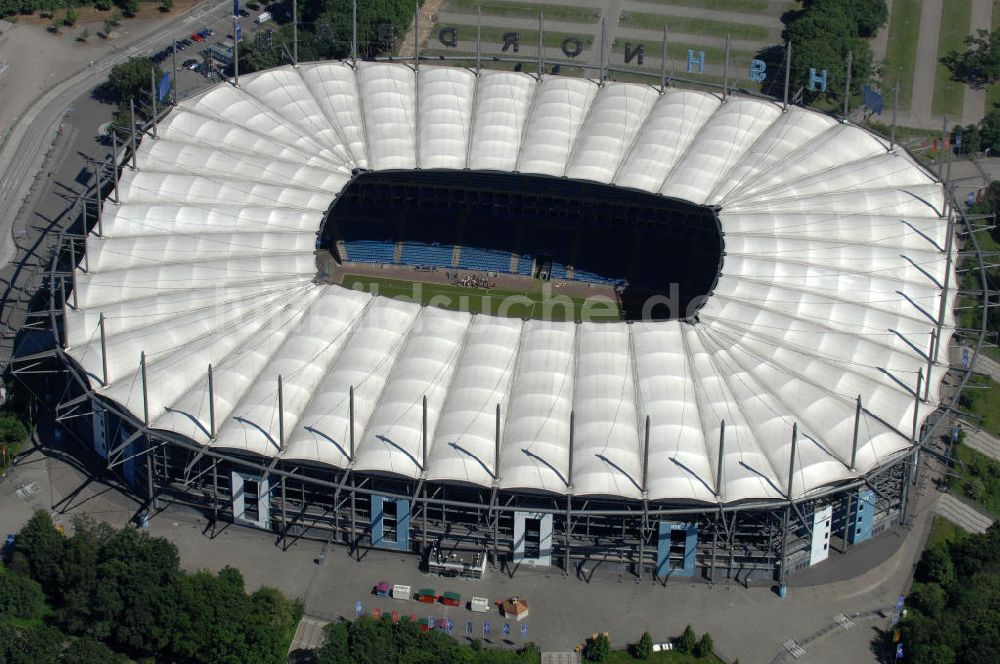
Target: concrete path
<point>926,67</point>
<point>983,443</point>
<point>974,105</point>
<point>880,42</point>
<point>308,635</point>
<point>963,515</point>
<point>988,366</point>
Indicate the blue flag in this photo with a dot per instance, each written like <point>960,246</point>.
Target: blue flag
<point>506,629</point>
<point>899,651</point>
<point>871,99</point>
<point>468,627</point>
<point>486,628</point>
<point>236,7</point>
<point>357,608</point>
<point>524,631</point>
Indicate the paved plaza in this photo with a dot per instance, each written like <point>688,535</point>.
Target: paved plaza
<point>749,623</point>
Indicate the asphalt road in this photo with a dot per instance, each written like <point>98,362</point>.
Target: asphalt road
<point>43,166</point>
<point>32,137</point>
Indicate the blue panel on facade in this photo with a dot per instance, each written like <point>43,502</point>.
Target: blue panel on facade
<point>679,566</point>
<point>859,523</point>
<point>391,538</point>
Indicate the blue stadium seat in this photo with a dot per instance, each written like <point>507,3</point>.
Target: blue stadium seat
<point>524,265</point>
<point>417,253</point>
<point>474,258</point>
<point>370,251</point>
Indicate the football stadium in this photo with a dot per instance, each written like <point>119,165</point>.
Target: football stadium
<point>500,319</point>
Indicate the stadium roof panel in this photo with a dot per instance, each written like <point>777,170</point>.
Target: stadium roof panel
<point>829,289</point>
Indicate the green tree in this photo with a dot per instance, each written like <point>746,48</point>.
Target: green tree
<point>71,17</point>
<point>103,5</point>
<point>34,644</point>
<point>979,65</point>
<point>20,597</point>
<point>597,649</point>
<point>936,567</point>
<point>687,642</point>
<point>129,7</point>
<point>166,5</point>
<point>90,651</point>
<point>867,15</point>
<point>335,649</point>
<point>705,646</point>
<point>644,648</point>
<point>930,599</point>
<point>821,39</point>
<point>42,545</point>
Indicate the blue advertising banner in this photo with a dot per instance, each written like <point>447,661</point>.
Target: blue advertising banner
<point>871,99</point>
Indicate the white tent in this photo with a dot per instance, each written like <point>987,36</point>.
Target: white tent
<point>830,289</point>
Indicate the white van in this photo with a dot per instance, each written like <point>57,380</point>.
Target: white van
<point>263,18</point>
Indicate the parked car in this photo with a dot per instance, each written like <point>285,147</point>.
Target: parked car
<point>209,32</point>
<point>190,64</point>
<point>204,34</point>
<point>198,38</point>
<point>180,45</point>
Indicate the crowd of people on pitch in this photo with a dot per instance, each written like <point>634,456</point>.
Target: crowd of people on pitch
<point>474,281</point>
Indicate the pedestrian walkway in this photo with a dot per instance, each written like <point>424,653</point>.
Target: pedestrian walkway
<point>988,366</point>
<point>308,635</point>
<point>963,515</point>
<point>983,443</point>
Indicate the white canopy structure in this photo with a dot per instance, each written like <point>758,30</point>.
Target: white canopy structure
<point>831,289</point>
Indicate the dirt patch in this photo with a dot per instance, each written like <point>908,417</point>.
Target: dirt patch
<point>428,19</point>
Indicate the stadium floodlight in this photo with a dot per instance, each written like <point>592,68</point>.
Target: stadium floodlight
<point>797,374</point>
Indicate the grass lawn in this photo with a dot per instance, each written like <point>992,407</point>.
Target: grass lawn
<point>493,38</point>
<point>568,13</point>
<point>981,481</point>
<point>901,51</point>
<point>943,530</point>
<point>949,94</point>
<point>694,26</point>
<point>982,397</point>
<point>538,302</point>
<point>747,6</point>
<point>678,54</point>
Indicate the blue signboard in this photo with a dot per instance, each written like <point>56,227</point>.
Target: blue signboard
<point>966,359</point>
<point>451,625</point>
<point>871,99</point>
<point>524,631</point>
<point>898,610</point>
<point>899,651</point>
<point>486,627</point>
<point>163,88</point>
<point>357,609</point>
<point>506,629</point>
<point>236,7</point>
<point>468,627</point>
<point>239,32</point>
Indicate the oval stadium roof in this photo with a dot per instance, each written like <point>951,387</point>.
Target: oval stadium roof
<point>830,288</point>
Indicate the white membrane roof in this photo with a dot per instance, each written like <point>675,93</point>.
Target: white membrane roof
<point>830,289</point>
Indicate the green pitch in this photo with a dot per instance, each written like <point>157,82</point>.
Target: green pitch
<point>540,301</point>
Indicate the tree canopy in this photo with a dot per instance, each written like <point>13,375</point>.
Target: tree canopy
<point>122,591</point>
<point>954,607</point>
<point>371,641</point>
<point>823,33</point>
<point>979,65</point>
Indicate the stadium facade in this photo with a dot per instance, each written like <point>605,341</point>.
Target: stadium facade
<point>211,364</point>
